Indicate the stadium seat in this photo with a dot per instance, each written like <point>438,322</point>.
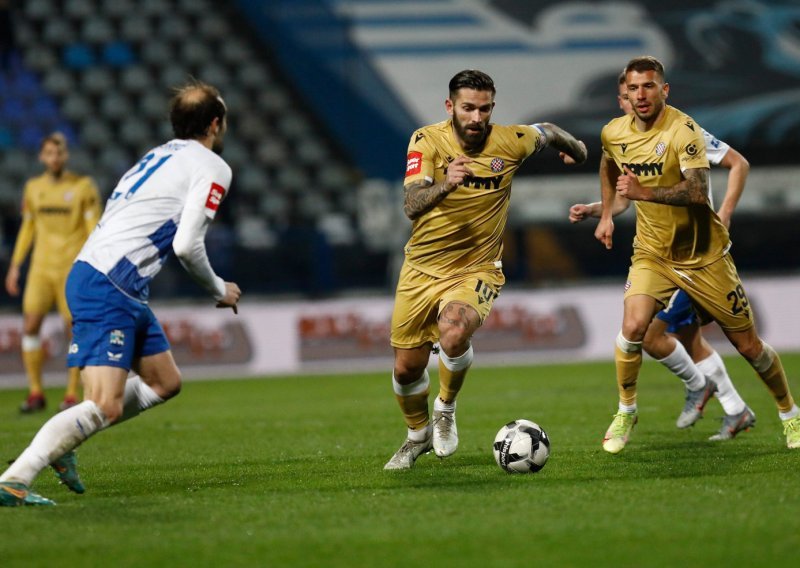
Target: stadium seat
<point>41,58</point>
<point>96,134</point>
<point>96,81</point>
<point>195,52</point>
<point>76,107</point>
<point>38,10</point>
<point>97,31</point>
<point>115,106</point>
<point>156,53</point>
<point>6,138</point>
<point>79,9</point>
<point>118,54</point>
<point>58,82</point>
<point>136,28</point>
<point>58,33</point>
<point>79,56</point>
<point>135,80</point>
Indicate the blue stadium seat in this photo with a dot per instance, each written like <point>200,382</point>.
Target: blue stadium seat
<point>118,54</point>
<point>30,136</point>
<point>79,56</point>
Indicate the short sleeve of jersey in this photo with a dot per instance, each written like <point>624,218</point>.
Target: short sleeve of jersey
<point>209,186</point>
<point>690,147</point>
<point>534,143</point>
<point>420,159</point>
<point>715,148</point>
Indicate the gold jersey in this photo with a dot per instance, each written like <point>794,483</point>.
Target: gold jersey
<point>683,236</point>
<point>464,232</point>
<point>57,217</point>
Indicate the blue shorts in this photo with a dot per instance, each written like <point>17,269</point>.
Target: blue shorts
<point>679,313</point>
<point>109,329</point>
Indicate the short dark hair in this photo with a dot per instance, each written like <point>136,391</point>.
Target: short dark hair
<point>645,63</point>
<point>621,78</point>
<point>192,109</point>
<point>56,138</point>
<point>471,79</point>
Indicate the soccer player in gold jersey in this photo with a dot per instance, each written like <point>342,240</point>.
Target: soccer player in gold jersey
<point>457,191</point>
<point>59,210</point>
<point>674,337</point>
<point>657,158</point>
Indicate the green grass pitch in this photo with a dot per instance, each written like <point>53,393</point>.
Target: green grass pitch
<point>288,472</point>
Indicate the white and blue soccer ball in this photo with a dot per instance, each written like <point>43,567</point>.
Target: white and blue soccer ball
<point>521,446</point>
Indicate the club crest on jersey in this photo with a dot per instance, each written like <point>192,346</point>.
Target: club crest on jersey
<point>215,195</point>
<point>497,165</point>
<point>413,163</point>
<point>660,149</point>
<point>117,337</point>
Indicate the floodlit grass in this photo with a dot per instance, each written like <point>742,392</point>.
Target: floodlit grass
<point>288,472</point>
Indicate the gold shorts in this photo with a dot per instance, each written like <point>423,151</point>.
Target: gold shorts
<point>420,297</point>
<point>715,289</point>
<point>42,290</point>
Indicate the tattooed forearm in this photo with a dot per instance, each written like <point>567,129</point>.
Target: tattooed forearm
<point>563,141</point>
<point>422,196</point>
<point>691,191</point>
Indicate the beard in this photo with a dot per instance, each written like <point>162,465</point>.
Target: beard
<point>472,138</point>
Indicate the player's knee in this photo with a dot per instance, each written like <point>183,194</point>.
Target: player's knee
<point>634,329</point>
<point>406,372</point>
<point>454,340</point>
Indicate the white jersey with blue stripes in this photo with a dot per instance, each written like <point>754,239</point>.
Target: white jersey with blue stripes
<point>179,180</point>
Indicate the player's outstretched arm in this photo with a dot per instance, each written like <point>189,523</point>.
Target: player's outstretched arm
<point>582,211</point>
<point>737,176</point>
<point>564,142</point>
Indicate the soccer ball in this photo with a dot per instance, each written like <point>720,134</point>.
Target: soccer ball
<point>521,446</point>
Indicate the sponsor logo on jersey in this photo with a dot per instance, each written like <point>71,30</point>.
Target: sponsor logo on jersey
<point>647,169</point>
<point>492,182</point>
<point>623,147</point>
<point>117,337</point>
<point>691,149</point>
<point>660,149</point>
<point>418,137</point>
<point>690,125</point>
<point>497,165</point>
<point>627,285</point>
<point>51,210</point>
<point>215,195</point>
<point>413,163</point>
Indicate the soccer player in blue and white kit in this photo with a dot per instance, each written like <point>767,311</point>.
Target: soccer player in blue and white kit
<point>166,201</point>
<point>674,337</point>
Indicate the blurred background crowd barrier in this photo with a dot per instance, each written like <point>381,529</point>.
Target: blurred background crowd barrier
<point>324,96</point>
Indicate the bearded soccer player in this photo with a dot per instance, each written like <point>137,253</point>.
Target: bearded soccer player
<point>59,210</point>
<point>674,337</point>
<point>657,158</point>
<point>457,191</point>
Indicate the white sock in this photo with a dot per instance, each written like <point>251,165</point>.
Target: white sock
<point>682,365</point>
<point>137,398</point>
<point>791,414</point>
<point>440,405</point>
<point>63,432</point>
<point>627,408</point>
<point>420,435</point>
<point>714,370</point>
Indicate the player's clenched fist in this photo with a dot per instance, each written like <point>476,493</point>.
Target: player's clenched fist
<point>457,171</point>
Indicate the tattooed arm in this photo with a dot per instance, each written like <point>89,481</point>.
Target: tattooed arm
<point>563,141</point>
<point>693,190</point>
<point>423,195</point>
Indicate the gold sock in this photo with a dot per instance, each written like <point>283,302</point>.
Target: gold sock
<point>628,365</point>
<point>769,368</point>
<point>73,382</point>
<point>33,360</point>
<point>415,409</point>
<point>450,382</point>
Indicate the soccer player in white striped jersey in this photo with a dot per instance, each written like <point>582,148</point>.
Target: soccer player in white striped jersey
<point>674,337</point>
<point>166,201</point>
